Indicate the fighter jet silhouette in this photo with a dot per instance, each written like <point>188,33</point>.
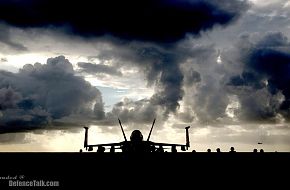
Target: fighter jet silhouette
<point>136,143</point>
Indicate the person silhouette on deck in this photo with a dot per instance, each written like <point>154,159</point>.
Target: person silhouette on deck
<point>232,150</point>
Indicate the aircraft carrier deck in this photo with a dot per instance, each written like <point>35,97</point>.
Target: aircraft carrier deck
<point>88,168</point>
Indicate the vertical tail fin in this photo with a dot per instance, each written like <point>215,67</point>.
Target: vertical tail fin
<point>86,137</point>
<point>151,129</point>
<point>187,137</point>
<point>122,130</point>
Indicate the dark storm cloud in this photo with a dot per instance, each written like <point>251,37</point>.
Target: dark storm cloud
<point>9,98</point>
<point>159,65</point>
<point>264,85</point>
<point>146,20</point>
<point>155,21</point>
<point>172,71</point>
<point>162,67</point>
<point>39,94</point>
<point>92,68</point>
<point>5,38</point>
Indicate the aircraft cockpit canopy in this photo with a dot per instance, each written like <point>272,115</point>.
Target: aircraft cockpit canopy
<point>136,135</point>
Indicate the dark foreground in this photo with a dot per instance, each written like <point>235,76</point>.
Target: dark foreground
<point>147,170</point>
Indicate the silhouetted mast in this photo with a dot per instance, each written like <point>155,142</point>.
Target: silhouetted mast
<point>122,130</point>
<point>187,137</point>
<point>86,137</point>
<point>151,129</point>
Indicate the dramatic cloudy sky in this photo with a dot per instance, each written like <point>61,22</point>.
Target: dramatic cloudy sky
<point>222,67</point>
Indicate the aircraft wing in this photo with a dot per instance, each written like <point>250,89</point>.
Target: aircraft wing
<point>167,144</point>
<point>106,144</point>
<point>173,146</point>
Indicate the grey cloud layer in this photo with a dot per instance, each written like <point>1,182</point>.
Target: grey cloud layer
<point>40,93</point>
<point>92,68</point>
<point>161,67</point>
<point>174,74</point>
<point>187,72</point>
<point>141,111</point>
<point>159,22</point>
<point>6,39</point>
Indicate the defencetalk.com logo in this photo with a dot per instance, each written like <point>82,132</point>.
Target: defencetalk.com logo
<point>21,181</point>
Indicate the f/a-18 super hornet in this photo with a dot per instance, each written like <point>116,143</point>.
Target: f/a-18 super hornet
<point>136,144</point>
